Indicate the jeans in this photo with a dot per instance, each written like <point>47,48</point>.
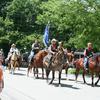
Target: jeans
<point>86,62</point>
<point>31,56</point>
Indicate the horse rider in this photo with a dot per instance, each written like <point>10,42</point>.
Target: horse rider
<point>88,52</point>
<point>35,49</point>
<point>60,46</point>
<point>12,50</point>
<point>1,52</point>
<point>53,48</point>
<point>1,57</point>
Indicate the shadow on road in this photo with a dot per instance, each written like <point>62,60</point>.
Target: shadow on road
<point>66,85</point>
<point>89,84</point>
<point>22,69</point>
<point>19,74</point>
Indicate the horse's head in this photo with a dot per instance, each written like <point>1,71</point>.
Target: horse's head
<point>70,57</point>
<point>44,53</point>
<point>98,58</point>
<point>60,55</point>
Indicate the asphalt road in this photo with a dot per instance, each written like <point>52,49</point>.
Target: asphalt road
<point>21,87</point>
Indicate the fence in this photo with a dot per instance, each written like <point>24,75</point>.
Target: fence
<point>81,54</point>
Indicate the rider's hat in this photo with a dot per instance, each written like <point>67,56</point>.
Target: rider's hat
<point>89,43</point>
<point>13,45</point>
<point>60,42</point>
<point>53,40</point>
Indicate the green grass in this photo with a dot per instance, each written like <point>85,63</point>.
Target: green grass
<point>72,71</point>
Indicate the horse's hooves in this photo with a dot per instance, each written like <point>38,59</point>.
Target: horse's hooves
<point>84,82</point>
<point>50,83</point>
<point>59,85</point>
<point>95,83</point>
<point>37,77</point>
<point>47,81</point>
<point>75,81</point>
<point>92,85</point>
<point>42,77</point>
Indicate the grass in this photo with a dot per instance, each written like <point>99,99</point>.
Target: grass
<point>72,71</point>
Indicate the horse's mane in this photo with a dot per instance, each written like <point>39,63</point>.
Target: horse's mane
<point>39,54</point>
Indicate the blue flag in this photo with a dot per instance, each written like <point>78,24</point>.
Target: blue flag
<point>46,36</point>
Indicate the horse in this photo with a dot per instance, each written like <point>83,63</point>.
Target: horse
<point>70,60</point>
<point>97,69</point>
<point>14,62</point>
<point>1,77</point>
<point>56,64</point>
<point>93,68</point>
<point>25,59</point>
<point>37,62</point>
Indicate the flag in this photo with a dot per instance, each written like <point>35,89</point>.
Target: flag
<point>46,36</point>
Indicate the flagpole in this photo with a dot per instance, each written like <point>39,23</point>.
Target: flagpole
<point>46,35</point>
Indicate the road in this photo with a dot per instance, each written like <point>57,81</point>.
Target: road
<point>21,87</point>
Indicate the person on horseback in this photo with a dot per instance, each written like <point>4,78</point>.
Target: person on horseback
<point>12,50</point>
<point>35,49</point>
<point>88,52</point>
<point>1,52</point>
<point>60,47</point>
<point>52,50</point>
<point>53,47</point>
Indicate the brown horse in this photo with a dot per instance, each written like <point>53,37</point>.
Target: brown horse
<point>97,69</point>
<point>15,61</point>
<point>70,60</point>
<point>37,62</point>
<point>93,68</point>
<point>1,79</point>
<point>56,64</point>
<point>1,76</point>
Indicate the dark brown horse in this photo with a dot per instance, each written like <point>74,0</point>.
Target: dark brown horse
<point>56,64</point>
<point>94,67</point>
<point>37,62</point>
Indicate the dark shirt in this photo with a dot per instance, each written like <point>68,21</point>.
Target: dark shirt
<point>88,52</point>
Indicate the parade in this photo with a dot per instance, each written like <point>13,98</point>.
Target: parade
<point>49,49</point>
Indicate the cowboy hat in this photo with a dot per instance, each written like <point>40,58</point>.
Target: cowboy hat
<point>53,40</point>
<point>13,45</point>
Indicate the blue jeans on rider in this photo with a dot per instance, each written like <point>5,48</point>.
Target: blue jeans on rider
<point>86,62</point>
<point>31,55</point>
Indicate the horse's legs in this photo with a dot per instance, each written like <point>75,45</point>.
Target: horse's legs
<point>59,76</point>
<point>66,70</point>
<point>84,76</point>
<point>42,73</point>
<point>92,74</point>
<point>97,80</point>
<point>29,67</point>
<point>37,72</point>
<point>76,74</point>
<point>53,76</point>
<point>47,73</point>
<point>12,69</point>
<point>9,67</point>
<point>34,71</point>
